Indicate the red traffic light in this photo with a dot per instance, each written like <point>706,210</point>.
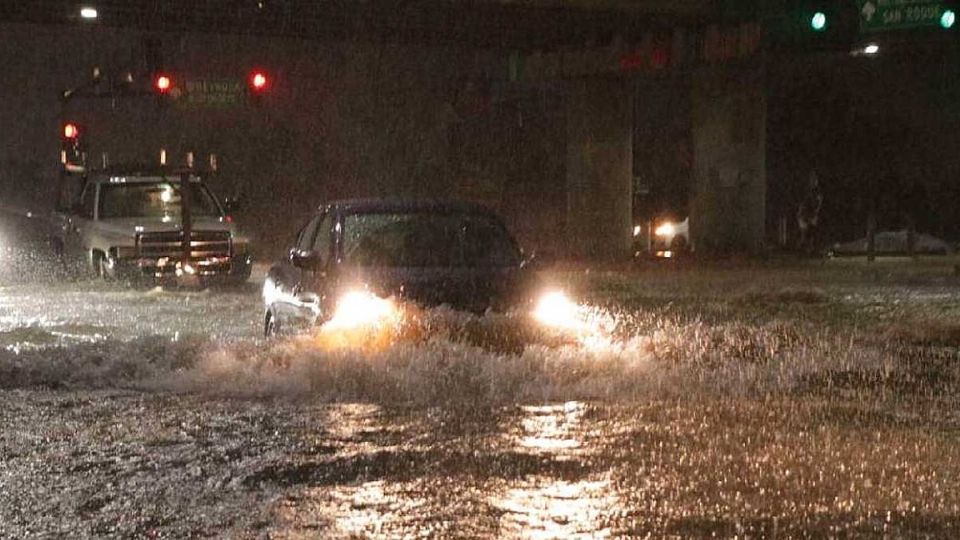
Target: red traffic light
<point>71,131</point>
<point>259,81</point>
<point>163,83</point>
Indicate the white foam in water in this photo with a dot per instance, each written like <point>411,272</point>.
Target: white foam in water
<point>115,337</point>
<point>434,372</point>
<point>443,355</point>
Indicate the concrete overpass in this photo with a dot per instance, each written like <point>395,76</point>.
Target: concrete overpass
<point>511,23</point>
<point>548,110</point>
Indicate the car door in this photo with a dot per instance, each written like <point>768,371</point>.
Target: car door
<point>317,279</point>
<point>294,302</point>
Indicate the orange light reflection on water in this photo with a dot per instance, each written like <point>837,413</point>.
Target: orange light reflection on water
<point>547,507</point>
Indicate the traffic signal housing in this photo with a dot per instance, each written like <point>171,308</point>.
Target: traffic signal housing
<point>162,83</point>
<point>72,148</point>
<point>812,25</point>
<point>818,21</point>
<point>71,131</point>
<point>259,81</point>
<point>948,18</point>
<point>258,85</point>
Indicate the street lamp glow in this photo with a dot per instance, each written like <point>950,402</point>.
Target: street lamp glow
<point>948,18</point>
<point>872,48</point>
<point>88,12</point>
<point>819,21</point>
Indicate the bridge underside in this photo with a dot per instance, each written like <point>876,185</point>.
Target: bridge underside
<point>521,24</point>
<point>553,112</point>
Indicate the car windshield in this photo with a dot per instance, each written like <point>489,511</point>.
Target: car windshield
<point>426,239</point>
<point>154,200</point>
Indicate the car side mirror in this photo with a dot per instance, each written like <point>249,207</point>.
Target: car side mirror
<point>305,259</point>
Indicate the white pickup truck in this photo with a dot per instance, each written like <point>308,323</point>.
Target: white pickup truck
<point>129,225</point>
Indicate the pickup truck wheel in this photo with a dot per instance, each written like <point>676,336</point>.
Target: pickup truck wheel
<point>56,246</point>
<point>271,326</point>
<point>100,267</point>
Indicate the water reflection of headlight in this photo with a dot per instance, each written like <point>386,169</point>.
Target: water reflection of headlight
<point>555,309</point>
<point>357,309</point>
<point>665,229</point>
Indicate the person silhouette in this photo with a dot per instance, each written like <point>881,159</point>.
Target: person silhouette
<point>808,215</point>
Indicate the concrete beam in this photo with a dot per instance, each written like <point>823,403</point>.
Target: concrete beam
<point>729,143</point>
<point>683,8</point>
<point>599,167</point>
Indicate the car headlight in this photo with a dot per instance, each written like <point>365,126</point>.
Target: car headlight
<point>555,309</point>
<point>666,229</point>
<point>358,308</point>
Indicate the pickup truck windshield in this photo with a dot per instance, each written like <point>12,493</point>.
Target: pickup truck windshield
<point>153,200</point>
<point>427,240</point>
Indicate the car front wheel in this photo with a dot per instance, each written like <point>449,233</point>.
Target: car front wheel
<point>271,326</point>
<point>100,268</point>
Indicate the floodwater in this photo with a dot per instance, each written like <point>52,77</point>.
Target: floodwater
<point>158,413</point>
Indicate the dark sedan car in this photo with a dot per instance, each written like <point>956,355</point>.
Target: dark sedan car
<point>353,256</point>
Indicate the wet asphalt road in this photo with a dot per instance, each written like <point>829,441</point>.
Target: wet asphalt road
<point>150,413</point>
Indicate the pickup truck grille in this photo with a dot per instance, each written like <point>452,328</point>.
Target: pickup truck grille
<point>203,244</point>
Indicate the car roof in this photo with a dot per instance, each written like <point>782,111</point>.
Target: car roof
<point>374,205</point>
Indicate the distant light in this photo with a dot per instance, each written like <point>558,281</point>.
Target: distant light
<point>88,12</point>
<point>948,18</point>
<point>666,229</point>
<point>819,21</point>
<point>872,48</point>
<point>163,83</point>
<point>70,131</point>
<point>636,230</point>
<point>258,80</point>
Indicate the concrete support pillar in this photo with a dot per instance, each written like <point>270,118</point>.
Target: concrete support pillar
<point>729,144</point>
<point>599,168</point>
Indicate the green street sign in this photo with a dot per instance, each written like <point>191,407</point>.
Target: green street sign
<point>881,15</point>
<point>213,93</point>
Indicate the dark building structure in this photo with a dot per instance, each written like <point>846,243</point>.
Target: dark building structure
<point>552,112</point>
